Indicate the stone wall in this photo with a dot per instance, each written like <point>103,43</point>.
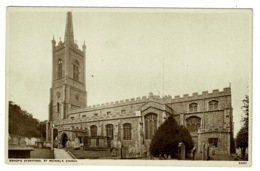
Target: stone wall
<point>223,145</point>
<point>106,113</point>
<point>215,124</point>
<point>101,130</point>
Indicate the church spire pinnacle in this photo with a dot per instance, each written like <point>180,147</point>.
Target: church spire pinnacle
<point>69,35</point>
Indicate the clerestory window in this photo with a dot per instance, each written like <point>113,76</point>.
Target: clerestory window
<point>193,107</point>
<point>213,105</point>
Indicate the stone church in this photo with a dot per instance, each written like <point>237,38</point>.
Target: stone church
<point>130,123</point>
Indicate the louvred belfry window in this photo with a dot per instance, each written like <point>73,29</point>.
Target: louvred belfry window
<point>76,70</point>
<point>59,69</point>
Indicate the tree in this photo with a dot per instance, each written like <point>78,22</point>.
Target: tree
<point>22,123</point>
<point>245,109</point>
<point>42,128</point>
<point>242,135</point>
<point>167,138</point>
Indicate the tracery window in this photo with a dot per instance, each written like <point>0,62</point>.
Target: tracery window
<point>59,69</point>
<point>93,131</point>
<point>213,105</point>
<point>150,125</point>
<point>193,123</point>
<point>109,130</point>
<point>127,131</point>
<point>193,107</point>
<point>76,70</point>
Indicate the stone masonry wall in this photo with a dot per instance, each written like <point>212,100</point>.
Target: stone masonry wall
<point>223,146</point>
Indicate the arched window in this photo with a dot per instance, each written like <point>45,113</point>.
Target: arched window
<point>197,126</point>
<point>110,131</point>
<point>193,128</point>
<point>188,127</point>
<point>150,125</point>
<point>58,107</point>
<point>213,105</point>
<point>59,69</point>
<point>93,131</point>
<point>127,131</point>
<point>76,70</point>
<point>193,107</point>
<point>193,123</point>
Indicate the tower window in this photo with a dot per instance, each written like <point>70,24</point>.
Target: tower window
<point>76,70</point>
<point>58,107</point>
<point>59,69</point>
<point>127,131</point>
<point>213,105</point>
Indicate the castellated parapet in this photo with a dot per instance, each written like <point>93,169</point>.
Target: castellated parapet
<point>204,95</point>
<point>164,100</point>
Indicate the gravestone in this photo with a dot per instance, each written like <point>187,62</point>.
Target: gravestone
<point>193,151</point>
<point>205,151</point>
<point>39,144</point>
<point>181,151</point>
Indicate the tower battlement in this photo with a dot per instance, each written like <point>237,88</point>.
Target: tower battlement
<point>68,74</point>
<point>74,46</point>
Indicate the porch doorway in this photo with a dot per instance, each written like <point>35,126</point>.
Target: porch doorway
<point>64,139</point>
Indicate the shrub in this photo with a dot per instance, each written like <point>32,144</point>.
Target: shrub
<point>167,138</point>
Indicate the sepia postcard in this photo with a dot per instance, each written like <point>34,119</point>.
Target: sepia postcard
<point>128,86</point>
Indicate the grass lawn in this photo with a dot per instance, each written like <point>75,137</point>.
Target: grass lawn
<point>219,157</point>
<point>83,154</point>
<point>41,153</point>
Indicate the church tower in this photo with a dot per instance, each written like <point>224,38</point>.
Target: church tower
<point>68,89</point>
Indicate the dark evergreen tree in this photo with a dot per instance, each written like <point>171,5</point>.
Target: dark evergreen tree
<point>42,128</point>
<point>22,123</point>
<point>167,138</point>
<point>242,138</point>
<point>242,135</point>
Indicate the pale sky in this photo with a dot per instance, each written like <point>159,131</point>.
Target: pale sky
<point>202,50</point>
